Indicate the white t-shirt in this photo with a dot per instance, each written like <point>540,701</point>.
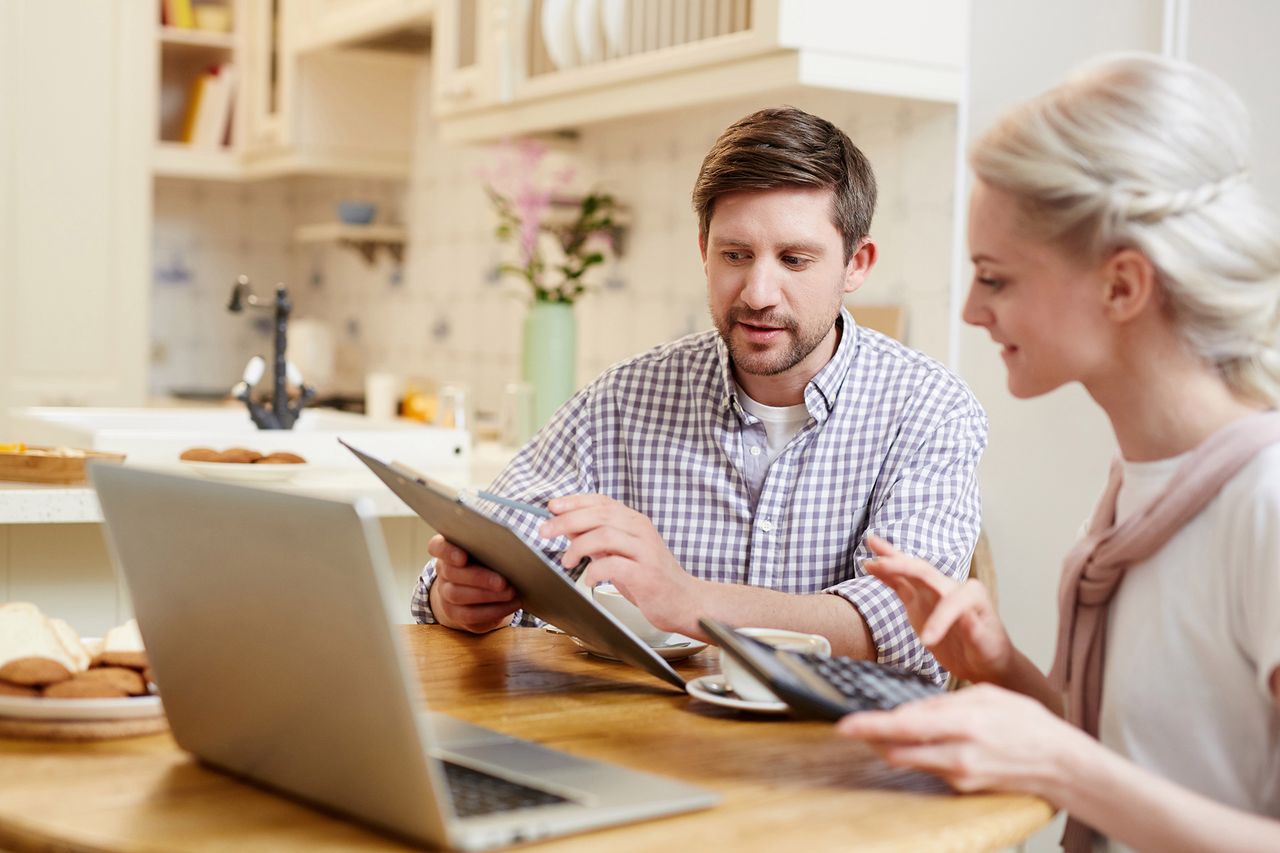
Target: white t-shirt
<point>1193,635</point>
<point>781,423</point>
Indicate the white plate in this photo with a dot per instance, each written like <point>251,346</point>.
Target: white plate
<point>557,32</point>
<point>696,689</point>
<point>26,708</point>
<point>247,472</point>
<point>613,17</point>
<point>586,30</point>
<point>679,648</point>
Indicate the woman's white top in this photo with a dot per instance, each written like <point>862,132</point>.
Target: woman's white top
<point>1193,635</point>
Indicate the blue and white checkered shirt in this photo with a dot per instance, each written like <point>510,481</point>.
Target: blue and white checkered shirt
<point>891,448</point>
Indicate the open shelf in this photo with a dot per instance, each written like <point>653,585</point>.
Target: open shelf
<point>179,160</point>
<point>180,38</point>
<point>366,239</point>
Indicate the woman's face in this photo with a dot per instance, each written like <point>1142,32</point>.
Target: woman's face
<point>1041,304</point>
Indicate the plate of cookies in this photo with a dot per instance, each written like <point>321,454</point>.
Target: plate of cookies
<point>243,464</point>
<point>48,672</point>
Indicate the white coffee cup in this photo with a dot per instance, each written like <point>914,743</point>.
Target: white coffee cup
<point>746,685</point>
<point>608,597</point>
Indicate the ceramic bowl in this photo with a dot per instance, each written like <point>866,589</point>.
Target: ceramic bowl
<point>356,212</point>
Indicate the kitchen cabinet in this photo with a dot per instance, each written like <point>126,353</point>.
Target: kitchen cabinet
<point>187,55</point>
<point>297,109</point>
<point>326,24</point>
<point>76,92</point>
<point>518,66</point>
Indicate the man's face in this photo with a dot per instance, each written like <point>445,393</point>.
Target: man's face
<point>776,276</point>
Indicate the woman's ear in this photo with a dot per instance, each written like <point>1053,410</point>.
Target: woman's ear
<point>1130,284</point>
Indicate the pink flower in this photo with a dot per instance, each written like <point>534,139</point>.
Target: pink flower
<point>531,206</point>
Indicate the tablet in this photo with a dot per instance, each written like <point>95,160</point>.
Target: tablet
<point>542,585</point>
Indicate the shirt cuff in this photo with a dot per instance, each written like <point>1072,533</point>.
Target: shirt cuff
<point>420,603</point>
<point>896,642</point>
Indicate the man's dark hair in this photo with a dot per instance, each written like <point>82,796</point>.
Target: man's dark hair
<point>787,147</point>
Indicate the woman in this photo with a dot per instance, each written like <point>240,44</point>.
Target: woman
<point>1117,242</point>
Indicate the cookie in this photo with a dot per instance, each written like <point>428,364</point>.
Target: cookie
<point>130,660</point>
<point>88,685</point>
<point>200,454</point>
<point>32,671</point>
<point>7,689</point>
<point>240,455</point>
<point>281,457</point>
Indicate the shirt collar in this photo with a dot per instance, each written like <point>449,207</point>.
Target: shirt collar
<point>821,392</point>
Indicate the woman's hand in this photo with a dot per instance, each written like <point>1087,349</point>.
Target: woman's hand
<point>976,739</point>
<point>955,621</point>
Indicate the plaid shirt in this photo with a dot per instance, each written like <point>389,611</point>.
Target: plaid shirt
<point>891,448</point>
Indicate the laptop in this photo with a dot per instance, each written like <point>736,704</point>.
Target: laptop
<point>268,619</point>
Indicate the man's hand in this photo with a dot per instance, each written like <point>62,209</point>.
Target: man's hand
<point>625,548</point>
<point>466,595</point>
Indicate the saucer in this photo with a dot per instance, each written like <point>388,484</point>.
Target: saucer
<point>696,689</point>
<point>679,648</point>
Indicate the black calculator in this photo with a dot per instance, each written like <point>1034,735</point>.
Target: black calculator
<point>819,686</point>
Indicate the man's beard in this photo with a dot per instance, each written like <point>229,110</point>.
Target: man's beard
<point>769,363</point>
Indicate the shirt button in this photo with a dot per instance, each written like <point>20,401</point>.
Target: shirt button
<point>755,451</point>
<point>766,525</point>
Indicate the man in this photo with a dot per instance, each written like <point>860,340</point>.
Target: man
<point>734,474</point>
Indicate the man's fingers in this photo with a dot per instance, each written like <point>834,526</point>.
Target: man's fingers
<point>578,521</point>
<point>472,576</point>
<point>569,503</point>
<point>459,594</point>
<point>484,617</point>
<point>444,550</point>
<point>597,543</point>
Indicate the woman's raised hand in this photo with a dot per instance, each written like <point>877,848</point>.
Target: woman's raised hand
<point>957,622</point>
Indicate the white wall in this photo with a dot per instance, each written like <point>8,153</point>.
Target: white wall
<point>1047,458</point>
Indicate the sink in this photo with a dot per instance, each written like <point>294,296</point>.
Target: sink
<point>159,435</point>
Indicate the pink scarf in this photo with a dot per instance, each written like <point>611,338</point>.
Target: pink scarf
<point>1095,567</point>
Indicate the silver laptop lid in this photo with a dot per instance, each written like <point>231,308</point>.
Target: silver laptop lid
<point>283,670</point>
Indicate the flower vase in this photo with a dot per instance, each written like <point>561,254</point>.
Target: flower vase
<point>549,356</point>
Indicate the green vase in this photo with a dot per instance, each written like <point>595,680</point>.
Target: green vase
<point>549,357</point>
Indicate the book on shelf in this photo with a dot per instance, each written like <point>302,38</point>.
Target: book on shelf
<point>177,13</point>
<point>209,107</point>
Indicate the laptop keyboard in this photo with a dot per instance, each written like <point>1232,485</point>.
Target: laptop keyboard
<point>477,793</point>
<point>867,685</point>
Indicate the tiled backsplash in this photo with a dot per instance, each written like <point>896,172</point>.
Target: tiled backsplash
<point>447,315</point>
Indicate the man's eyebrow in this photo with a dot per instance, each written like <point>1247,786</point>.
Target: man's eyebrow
<point>982,258</point>
<point>805,248</point>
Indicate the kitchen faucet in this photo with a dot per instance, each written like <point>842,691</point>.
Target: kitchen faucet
<point>282,414</point>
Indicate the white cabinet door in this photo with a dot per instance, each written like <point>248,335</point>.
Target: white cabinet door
<point>77,124</point>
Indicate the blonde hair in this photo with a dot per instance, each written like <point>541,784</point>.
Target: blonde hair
<point>1147,152</point>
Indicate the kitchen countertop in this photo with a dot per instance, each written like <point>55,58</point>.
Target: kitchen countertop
<point>30,503</point>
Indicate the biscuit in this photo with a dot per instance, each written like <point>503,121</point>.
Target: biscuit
<point>239,454</point>
<point>86,686</point>
<point>200,454</point>
<point>115,677</point>
<point>281,457</point>
<point>32,671</point>
<point>7,689</point>
<point>130,660</point>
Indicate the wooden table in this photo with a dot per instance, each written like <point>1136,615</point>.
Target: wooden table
<point>783,782</point>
